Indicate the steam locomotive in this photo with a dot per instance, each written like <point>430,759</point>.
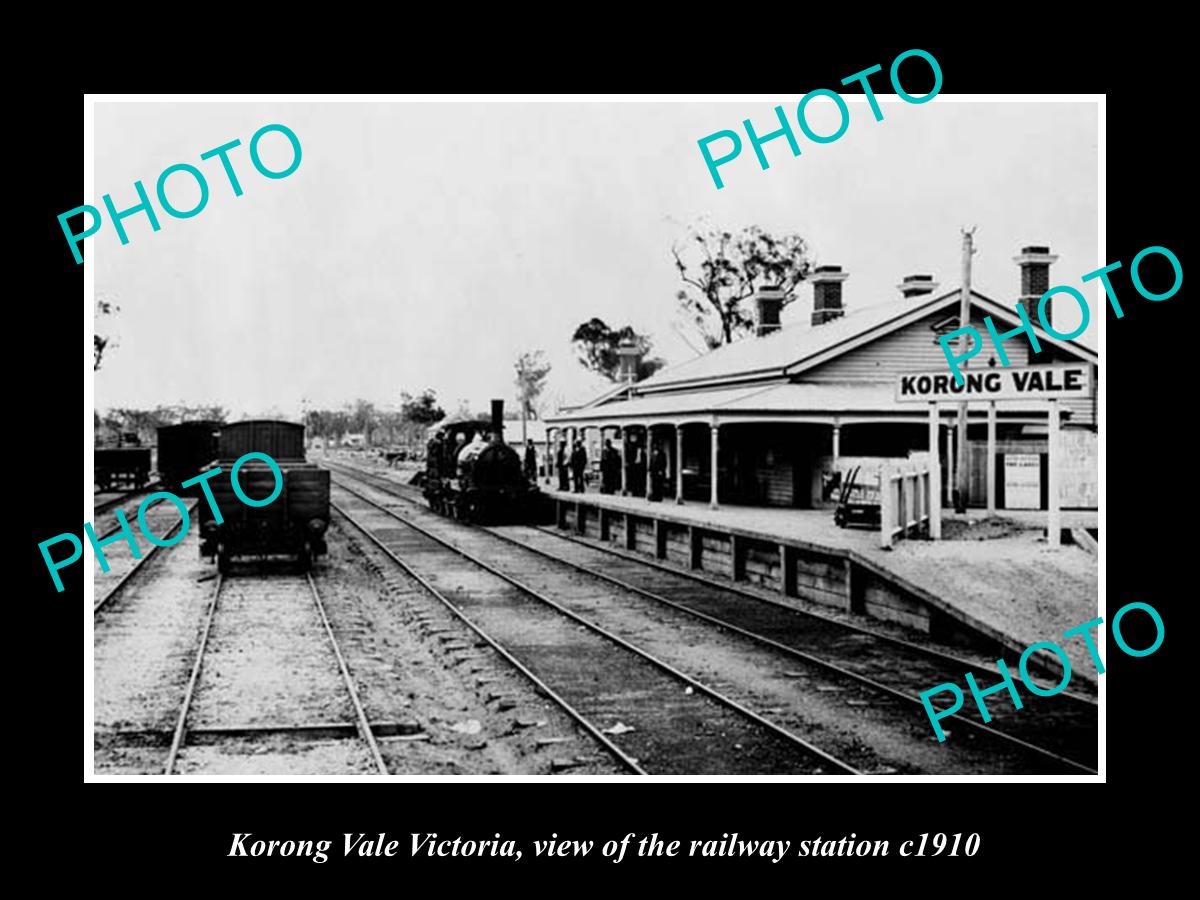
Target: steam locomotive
<point>473,476</point>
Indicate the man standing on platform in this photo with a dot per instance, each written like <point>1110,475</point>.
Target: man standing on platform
<point>610,469</point>
<point>530,462</point>
<point>658,473</point>
<point>578,465</point>
<point>560,462</point>
<point>636,475</point>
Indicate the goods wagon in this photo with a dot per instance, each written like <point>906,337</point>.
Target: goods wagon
<point>186,450</point>
<point>293,523</point>
<point>126,465</point>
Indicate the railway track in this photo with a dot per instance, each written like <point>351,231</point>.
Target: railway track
<point>110,503</point>
<point>163,521</point>
<point>1061,731</point>
<point>652,717</point>
<point>257,598</point>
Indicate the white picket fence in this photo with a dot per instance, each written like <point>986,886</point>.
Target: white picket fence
<point>908,502</point>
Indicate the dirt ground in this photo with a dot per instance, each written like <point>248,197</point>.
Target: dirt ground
<point>414,661</point>
<point>1018,585</point>
<point>855,724</point>
<point>449,706</point>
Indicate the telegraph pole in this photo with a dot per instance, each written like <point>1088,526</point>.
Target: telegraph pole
<point>964,319</point>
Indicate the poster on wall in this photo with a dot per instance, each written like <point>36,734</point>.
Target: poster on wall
<point>1022,481</point>
<point>1079,471</point>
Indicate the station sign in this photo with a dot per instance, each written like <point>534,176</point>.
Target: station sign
<point>1056,382</point>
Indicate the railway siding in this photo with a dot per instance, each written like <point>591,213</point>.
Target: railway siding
<point>269,665</point>
<point>1070,728</point>
<point>660,719</point>
<point>143,648</point>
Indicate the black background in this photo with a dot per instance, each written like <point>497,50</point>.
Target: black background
<point>1147,375</point>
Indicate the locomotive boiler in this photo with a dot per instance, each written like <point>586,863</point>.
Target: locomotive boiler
<point>471,474</point>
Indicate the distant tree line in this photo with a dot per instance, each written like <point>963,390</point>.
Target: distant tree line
<point>379,427</point>
<point>145,422</point>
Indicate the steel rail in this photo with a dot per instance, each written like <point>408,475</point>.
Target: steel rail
<point>783,648</point>
<point>110,504</point>
<point>400,490</point>
<point>180,725</point>
<point>628,761</point>
<point>621,642</point>
<point>142,560</point>
<point>928,652</point>
<point>790,651</point>
<point>364,726</point>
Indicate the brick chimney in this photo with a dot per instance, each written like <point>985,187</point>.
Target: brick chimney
<point>917,285</point>
<point>827,293</point>
<point>631,357</point>
<point>1035,278</point>
<point>768,303</point>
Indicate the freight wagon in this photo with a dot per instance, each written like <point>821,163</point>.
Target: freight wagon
<point>293,523</point>
<point>126,465</point>
<point>186,450</point>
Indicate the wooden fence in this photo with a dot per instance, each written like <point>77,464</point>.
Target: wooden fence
<point>907,504</point>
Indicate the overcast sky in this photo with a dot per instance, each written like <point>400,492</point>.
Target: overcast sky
<point>428,244</point>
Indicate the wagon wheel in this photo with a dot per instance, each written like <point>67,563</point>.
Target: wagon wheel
<point>306,558</point>
<point>223,561</point>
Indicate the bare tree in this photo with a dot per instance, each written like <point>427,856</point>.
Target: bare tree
<point>531,369</point>
<point>104,307</point>
<point>720,269</point>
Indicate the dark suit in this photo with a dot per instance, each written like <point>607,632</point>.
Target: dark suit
<point>560,462</point>
<point>578,466</point>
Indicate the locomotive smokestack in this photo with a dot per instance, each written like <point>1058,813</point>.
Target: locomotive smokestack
<point>498,419</point>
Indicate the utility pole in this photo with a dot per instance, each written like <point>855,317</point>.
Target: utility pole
<point>964,319</point>
<point>523,391</point>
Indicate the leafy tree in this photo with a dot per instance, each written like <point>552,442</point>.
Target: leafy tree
<point>596,347</point>
<point>202,413</point>
<point>362,418</point>
<point>143,422</point>
<point>721,269</point>
<point>531,369</point>
<point>423,409</point>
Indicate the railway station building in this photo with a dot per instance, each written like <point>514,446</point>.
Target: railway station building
<point>777,418</point>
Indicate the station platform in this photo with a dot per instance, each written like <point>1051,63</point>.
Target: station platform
<point>1010,587</point>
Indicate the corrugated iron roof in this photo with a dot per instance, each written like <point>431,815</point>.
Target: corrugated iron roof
<point>792,398</point>
<point>762,357</point>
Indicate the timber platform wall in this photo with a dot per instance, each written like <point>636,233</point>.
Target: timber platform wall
<point>829,576</point>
